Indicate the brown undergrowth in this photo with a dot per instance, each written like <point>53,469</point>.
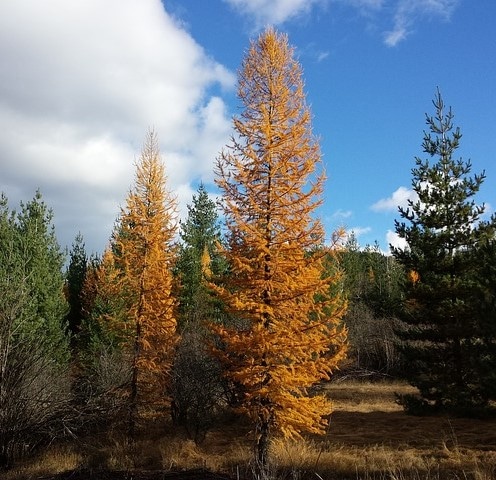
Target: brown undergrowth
<point>370,437</point>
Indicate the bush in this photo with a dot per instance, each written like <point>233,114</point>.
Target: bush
<point>197,389</point>
<point>35,401</point>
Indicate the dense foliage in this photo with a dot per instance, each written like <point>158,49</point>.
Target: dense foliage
<point>34,347</point>
<point>290,335</point>
<point>446,338</point>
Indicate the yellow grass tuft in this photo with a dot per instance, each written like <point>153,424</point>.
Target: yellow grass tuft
<point>54,460</point>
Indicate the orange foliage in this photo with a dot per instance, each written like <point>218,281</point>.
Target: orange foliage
<point>413,276</point>
<point>271,187</point>
<point>144,254</point>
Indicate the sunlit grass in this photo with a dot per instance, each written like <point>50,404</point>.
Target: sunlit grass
<point>370,437</point>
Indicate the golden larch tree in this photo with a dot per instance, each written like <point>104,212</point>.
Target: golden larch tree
<point>271,179</point>
<point>144,253</point>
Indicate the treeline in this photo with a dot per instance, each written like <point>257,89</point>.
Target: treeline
<point>250,309</point>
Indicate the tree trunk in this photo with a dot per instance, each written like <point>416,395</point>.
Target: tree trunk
<point>263,446</point>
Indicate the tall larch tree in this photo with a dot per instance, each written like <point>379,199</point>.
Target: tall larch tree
<point>144,252</point>
<point>289,333</point>
<point>442,332</point>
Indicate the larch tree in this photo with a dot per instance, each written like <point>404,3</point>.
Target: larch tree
<point>289,334</point>
<point>442,330</point>
<point>144,253</point>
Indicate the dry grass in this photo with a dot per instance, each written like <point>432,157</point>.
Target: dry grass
<point>54,460</point>
<point>370,437</point>
<point>365,397</point>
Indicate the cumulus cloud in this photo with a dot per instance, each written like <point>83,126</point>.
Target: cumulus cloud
<point>275,12</point>
<point>393,239</point>
<point>82,81</point>
<point>399,198</point>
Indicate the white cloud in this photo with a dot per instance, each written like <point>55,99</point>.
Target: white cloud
<point>359,231</point>
<point>407,12</point>
<point>397,18</point>
<point>399,198</point>
<point>82,81</point>
<point>393,239</point>
<point>274,12</point>
<point>340,214</point>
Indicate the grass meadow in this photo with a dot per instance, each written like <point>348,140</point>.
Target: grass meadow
<point>370,437</point>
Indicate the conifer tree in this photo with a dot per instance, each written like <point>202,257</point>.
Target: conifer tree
<point>373,284</point>
<point>144,254</point>
<point>75,276</point>
<point>197,384</point>
<point>198,259</point>
<point>442,329</point>
<point>289,334</point>
<point>104,308</point>
<point>44,263</point>
<point>34,353</point>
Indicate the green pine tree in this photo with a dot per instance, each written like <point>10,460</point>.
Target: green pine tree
<point>373,285</point>
<point>196,379</point>
<point>44,263</point>
<point>442,327</point>
<point>75,277</point>
<point>199,260</point>
<point>34,354</point>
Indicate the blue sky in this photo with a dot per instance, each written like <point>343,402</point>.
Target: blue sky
<point>82,81</point>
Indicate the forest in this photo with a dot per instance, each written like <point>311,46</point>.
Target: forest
<point>239,325</point>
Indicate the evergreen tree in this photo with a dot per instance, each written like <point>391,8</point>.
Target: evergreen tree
<point>44,263</point>
<point>289,334</point>
<point>442,324</point>
<point>198,260</point>
<point>34,354</point>
<point>75,276</point>
<point>196,381</point>
<point>373,284</point>
<point>104,372</point>
<point>484,358</point>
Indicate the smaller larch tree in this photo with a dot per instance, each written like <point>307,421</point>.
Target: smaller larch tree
<point>288,333</point>
<point>144,253</point>
<point>441,330</point>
